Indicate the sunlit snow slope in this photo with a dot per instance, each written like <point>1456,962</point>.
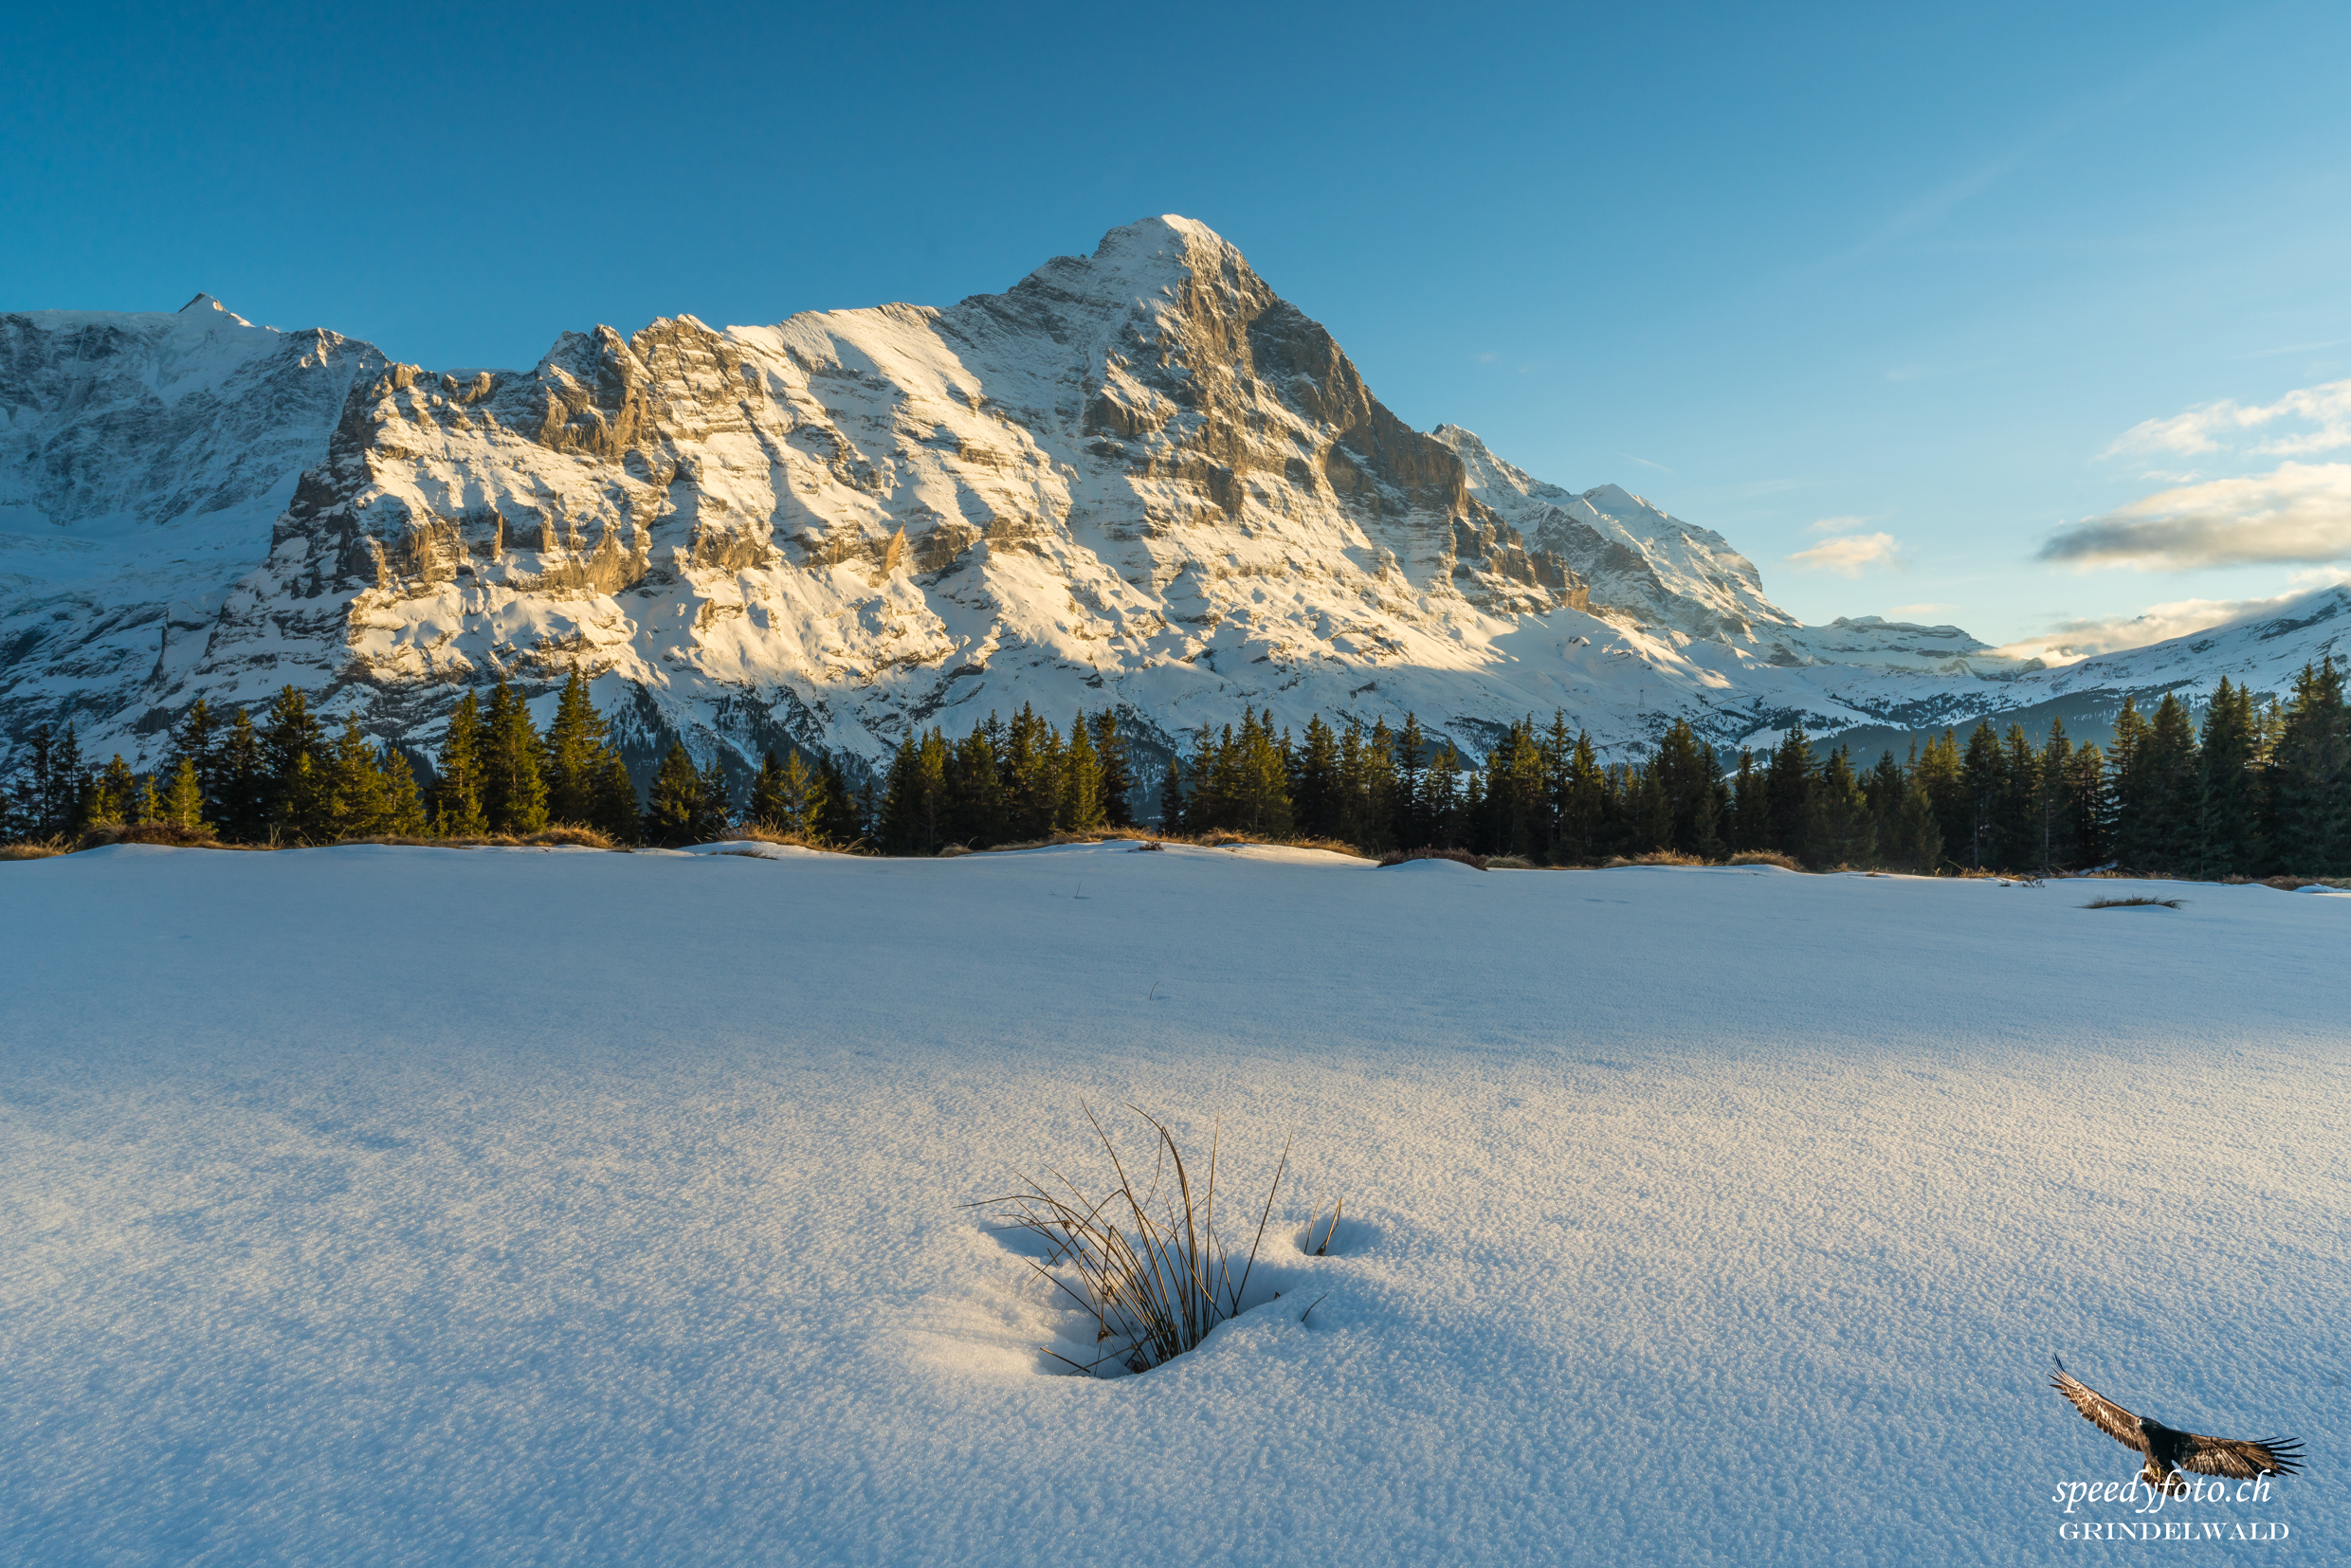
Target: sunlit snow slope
<point>456,1207</point>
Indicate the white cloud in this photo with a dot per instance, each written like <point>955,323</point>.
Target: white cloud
<point>2071,642</point>
<point>1847,558</point>
<point>2324,412</point>
<point>2297,512</point>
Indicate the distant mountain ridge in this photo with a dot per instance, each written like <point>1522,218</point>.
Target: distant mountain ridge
<point>1138,479</point>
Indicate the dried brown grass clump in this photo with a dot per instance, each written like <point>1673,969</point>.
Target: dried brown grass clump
<point>2287,883</point>
<point>1401,857</point>
<point>759,832</point>
<point>1766,857</point>
<point>1655,857</point>
<point>567,834</point>
<point>33,849</point>
<point>102,834</point>
<point>1213,839</point>
<point>2134,902</point>
<point>1047,842</point>
<point>1510,863</point>
<point>1149,1265</point>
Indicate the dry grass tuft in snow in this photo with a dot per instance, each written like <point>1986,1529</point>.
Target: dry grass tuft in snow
<point>1764,857</point>
<point>1149,1265</point>
<point>2134,902</point>
<point>754,832</point>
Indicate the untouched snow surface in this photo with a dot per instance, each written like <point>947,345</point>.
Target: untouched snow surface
<point>391,1206</point>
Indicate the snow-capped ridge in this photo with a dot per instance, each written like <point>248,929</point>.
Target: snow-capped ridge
<point>1136,479</point>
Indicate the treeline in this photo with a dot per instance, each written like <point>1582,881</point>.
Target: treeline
<point>1006,783</point>
<point>279,776</point>
<point>2261,787</point>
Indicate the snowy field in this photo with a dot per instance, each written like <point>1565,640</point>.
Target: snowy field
<point>404,1206</point>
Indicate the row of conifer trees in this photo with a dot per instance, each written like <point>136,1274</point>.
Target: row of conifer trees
<point>280,777</point>
<point>2264,787</point>
<point>2261,787</point>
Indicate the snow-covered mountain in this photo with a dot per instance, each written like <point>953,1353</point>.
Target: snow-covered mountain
<point>143,462</point>
<point>1137,479</point>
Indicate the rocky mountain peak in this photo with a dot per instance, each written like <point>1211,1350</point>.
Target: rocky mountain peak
<point>1137,479</point>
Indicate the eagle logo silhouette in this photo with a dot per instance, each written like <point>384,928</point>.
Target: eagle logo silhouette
<point>2168,1449</point>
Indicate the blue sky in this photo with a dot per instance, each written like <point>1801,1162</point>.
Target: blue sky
<point>1900,300</point>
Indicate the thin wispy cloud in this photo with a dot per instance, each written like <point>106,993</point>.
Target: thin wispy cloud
<point>1850,557</point>
<point>1838,525</point>
<point>1647,464</point>
<point>2308,420</point>
<point>2071,641</point>
<point>2298,512</point>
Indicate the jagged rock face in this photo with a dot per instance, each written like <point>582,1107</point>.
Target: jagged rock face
<point>143,460</point>
<point>1139,478</point>
<point>1639,561</point>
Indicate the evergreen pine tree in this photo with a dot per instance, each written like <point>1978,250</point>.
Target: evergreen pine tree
<point>2053,809</point>
<point>2310,777</point>
<point>289,744</point>
<point>613,809</point>
<point>1031,772</point>
<point>1788,791</point>
<point>1883,786</point>
<point>767,788</point>
<point>1449,823</point>
<point>674,810</point>
<point>182,804</point>
<point>1939,771</point>
<point>72,789</point>
<point>241,792</point>
<point>353,800</point>
<point>2089,807</point>
<point>843,821</point>
<point>404,804</point>
<point>1080,781</point>
<point>2168,769</point>
<point>116,793</point>
<point>788,797</point>
<point>715,810</point>
<point>2016,812</point>
<point>1983,772</point>
<point>2228,789</point>
<point>457,796</point>
<point>975,812</point>
<point>1410,825</point>
<point>1917,844</point>
<point>1314,796</point>
<point>1838,815</point>
<point>1751,814</point>
<point>577,742</point>
<point>1117,759</point>
<point>514,787</point>
<point>197,742</point>
<point>1173,818</point>
<point>1583,819</point>
<point>2129,788</point>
